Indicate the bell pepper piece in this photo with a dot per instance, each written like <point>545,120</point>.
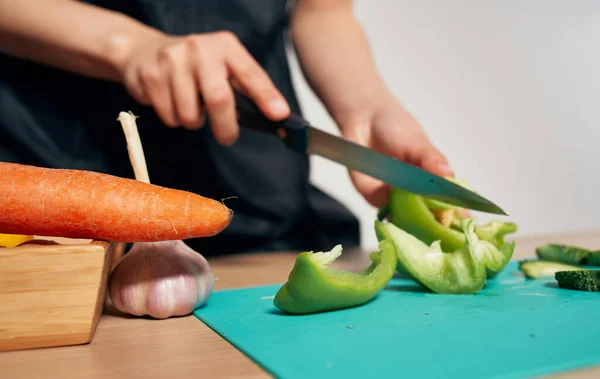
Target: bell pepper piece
<point>462,271</point>
<point>438,205</point>
<point>410,213</point>
<point>413,214</point>
<point>13,240</point>
<point>314,287</point>
<point>495,231</point>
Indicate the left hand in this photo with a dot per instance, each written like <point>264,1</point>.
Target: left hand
<point>385,126</point>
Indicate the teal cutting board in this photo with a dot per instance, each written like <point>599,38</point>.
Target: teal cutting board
<point>513,328</point>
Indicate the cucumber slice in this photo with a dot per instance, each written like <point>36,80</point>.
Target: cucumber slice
<point>580,280</point>
<point>543,269</point>
<point>594,258</point>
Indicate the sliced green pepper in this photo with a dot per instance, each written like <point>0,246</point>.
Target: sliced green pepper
<point>462,271</point>
<point>415,215</point>
<point>440,205</point>
<point>313,287</point>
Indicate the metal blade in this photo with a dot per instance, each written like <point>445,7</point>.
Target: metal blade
<point>395,172</point>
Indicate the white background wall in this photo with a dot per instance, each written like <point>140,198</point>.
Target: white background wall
<point>508,90</point>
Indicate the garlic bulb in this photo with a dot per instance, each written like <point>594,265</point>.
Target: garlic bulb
<point>158,279</point>
<point>161,280</point>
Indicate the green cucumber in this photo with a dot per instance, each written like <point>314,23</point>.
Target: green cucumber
<point>543,269</point>
<point>580,280</point>
<point>594,258</point>
<point>573,255</point>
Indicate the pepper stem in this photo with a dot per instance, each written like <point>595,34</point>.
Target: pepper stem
<point>383,212</point>
<point>326,258</point>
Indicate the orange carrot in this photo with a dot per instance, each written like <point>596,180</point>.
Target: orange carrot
<point>85,204</point>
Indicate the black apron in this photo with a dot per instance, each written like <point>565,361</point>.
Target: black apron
<point>56,119</point>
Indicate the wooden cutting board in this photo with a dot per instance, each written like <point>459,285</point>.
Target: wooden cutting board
<point>53,295</point>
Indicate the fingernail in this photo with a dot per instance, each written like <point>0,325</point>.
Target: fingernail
<point>445,170</point>
<point>279,107</point>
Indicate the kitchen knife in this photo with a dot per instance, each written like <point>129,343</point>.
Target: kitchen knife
<point>298,135</point>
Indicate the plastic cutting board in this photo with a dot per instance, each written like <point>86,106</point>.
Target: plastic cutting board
<point>513,328</point>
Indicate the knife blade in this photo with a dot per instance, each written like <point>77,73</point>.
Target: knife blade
<point>298,135</point>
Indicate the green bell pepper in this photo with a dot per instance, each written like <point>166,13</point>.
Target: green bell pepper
<point>440,205</point>
<point>313,286</point>
<point>415,215</point>
<point>462,271</point>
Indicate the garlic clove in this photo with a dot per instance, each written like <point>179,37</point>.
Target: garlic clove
<point>161,280</point>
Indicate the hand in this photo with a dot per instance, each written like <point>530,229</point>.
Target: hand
<point>385,126</point>
<point>183,77</point>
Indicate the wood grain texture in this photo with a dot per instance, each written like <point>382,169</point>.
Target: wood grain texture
<point>184,347</point>
<point>52,295</point>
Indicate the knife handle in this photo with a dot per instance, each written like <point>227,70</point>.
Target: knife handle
<point>292,131</point>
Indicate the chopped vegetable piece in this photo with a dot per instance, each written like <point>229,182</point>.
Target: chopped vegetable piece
<point>440,205</point>
<point>568,254</point>
<point>314,287</point>
<point>12,240</point>
<point>444,217</point>
<point>39,242</point>
<point>495,231</point>
<point>86,204</point>
<point>462,271</point>
<point>383,212</point>
<point>413,214</point>
<point>580,280</point>
<point>543,269</point>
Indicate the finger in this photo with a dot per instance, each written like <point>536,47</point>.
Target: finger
<point>218,99</point>
<point>463,212</point>
<point>409,143</point>
<point>432,160</point>
<point>418,150</point>
<point>135,87</point>
<point>154,78</point>
<point>183,86</point>
<point>374,191</point>
<point>237,87</point>
<point>255,82</point>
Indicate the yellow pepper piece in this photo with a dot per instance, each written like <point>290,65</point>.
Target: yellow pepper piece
<point>12,240</point>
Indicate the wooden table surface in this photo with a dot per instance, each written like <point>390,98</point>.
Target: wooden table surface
<point>184,347</point>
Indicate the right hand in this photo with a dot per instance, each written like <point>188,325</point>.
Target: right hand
<point>182,77</point>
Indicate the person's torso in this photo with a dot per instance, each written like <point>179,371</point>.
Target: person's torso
<point>54,118</point>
